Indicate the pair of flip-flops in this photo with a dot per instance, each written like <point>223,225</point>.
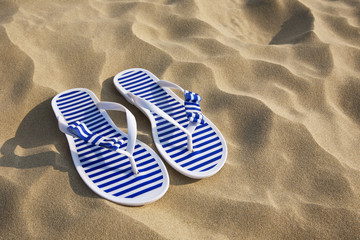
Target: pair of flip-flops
<point>119,167</point>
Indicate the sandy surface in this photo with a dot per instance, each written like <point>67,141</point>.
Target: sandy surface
<point>280,79</point>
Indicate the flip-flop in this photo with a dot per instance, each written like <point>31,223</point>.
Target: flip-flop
<point>113,164</point>
<point>186,139</point>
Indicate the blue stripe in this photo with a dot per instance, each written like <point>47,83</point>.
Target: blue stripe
<point>94,120</point>
<point>202,157</point>
<point>142,87</point>
<point>94,156</point>
<point>150,167</point>
<point>115,174</point>
<point>206,169</point>
<point>90,119</point>
<point>205,163</point>
<point>157,101</point>
<point>144,163</point>
<point>124,177</point>
<point>90,151</point>
<point>191,108</point>
<point>140,177</point>
<point>137,84</point>
<point>197,153</point>
<point>93,113</point>
<point>81,111</point>
<point>136,80</point>
<point>172,105</point>
<point>68,98</point>
<point>152,93</point>
<point>107,170</point>
<point>130,76</point>
<point>145,191</point>
<point>150,89</point>
<point>202,131</point>
<point>191,104</point>
<point>97,124</point>
<point>108,132</point>
<point>174,110</point>
<point>76,106</point>
<point>74,102</point>
<point>160,104</point>
<point>207,137</point>
<point>101,130</point>
<point>172,136</point>
<point>139,186</point>
<point>130,79</point>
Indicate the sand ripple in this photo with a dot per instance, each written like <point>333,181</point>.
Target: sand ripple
<point>280,79</point>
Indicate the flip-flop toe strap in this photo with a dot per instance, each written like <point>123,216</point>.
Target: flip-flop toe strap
<point>192,107</point>
<point>80,130</point>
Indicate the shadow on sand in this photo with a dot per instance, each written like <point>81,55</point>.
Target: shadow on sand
<point>38,132</point>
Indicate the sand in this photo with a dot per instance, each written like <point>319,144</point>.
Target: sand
<point>279,78</point>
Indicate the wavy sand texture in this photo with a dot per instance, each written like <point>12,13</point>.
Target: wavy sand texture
<point>280,79</point>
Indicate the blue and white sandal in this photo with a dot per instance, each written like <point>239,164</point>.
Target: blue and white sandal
<point>113,164</point>
<point>186,139</point>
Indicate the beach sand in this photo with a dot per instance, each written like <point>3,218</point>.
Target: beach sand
<point>280,79</point>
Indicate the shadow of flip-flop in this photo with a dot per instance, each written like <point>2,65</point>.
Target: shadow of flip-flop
<point>39,143</point>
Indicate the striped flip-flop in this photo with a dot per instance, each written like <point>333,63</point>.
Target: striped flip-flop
<point>113,164</point>
<point>186,139</point>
